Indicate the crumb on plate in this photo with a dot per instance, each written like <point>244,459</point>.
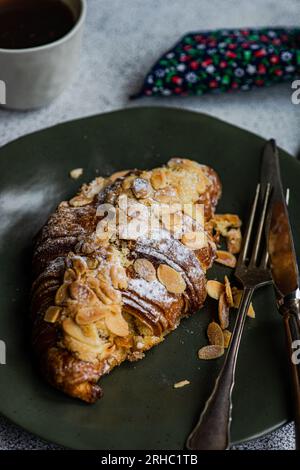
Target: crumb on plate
<point>76,173</point>
<point>182,383</point>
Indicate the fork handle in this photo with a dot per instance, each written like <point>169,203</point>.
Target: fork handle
<point>292,330</point>
<point>212,431</point>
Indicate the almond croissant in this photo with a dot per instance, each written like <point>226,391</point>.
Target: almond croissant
<point>102,295</point>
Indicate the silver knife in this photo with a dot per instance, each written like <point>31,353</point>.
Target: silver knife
<point>284,268</point>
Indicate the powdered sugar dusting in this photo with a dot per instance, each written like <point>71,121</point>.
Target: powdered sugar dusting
<point>152,291</point>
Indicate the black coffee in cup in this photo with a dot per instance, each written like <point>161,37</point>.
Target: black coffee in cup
<point>32,23</point>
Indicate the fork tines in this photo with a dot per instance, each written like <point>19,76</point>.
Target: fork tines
<point>255,255</point>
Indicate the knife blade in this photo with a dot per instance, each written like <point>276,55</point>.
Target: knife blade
<point>284,268</point>
<point>283,260</point>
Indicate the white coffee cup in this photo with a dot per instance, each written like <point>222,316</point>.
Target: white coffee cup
<point>32,78</point>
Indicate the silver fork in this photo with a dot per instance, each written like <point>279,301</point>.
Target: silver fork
<point>212,431</point>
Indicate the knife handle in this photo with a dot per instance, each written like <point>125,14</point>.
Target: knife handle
<point>291,319</point>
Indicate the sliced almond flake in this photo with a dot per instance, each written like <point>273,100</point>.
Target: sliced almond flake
<point>194,240</point>
<point>70,328</point>
<point>70,275</point>
<point>215,334</point>
<point>237,295</point>
<point>234,240</point>
<point>223,310</point>
<point>223,222</point>
<point>182,383</point>
<point>82,293</point>
<point>61,294</point>
<point>227,338</point>
<point>171,279</point>
<point>76,173</point>
<point>214,289</point>
<point>80,201</point>
<point>116,323</point>
<point>210,352</point>
<point>159,179</point>
<point>118,174</point>
<point>52,314</point>
<point>91,313</point>
<point>145,269</point>
<point>228,292</point>
<point>118,277</point>
<point>225,258</point>
<point>94,187</point>
<point>167,195</point>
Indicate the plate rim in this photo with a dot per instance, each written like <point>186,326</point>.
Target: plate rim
<point>158,108</point>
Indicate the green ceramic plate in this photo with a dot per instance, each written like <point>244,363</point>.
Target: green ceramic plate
<point>140,408</point>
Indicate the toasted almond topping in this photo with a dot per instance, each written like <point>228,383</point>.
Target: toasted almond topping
<point>80,201</point>
<point>214,289</point>
<point>52,314</point>
<point>124,342</point>
<point>194,240</point>
<point>234,240</point>
<point>237,296</point>
<point>90,190</point>
<point>90,331</point>
<point>70,327</point>
<point>141,188</point>
<point>76,173</point>
<point>86,352</point>
<point>228,292</point>
<point>118,277</point>
<point>181,384</point>
<point>91,314</point>
<point>210,352</point>
<point>171,279</point>
<point>227,338</point>
<point>201,185</point>
<point>61,294</point>
<point>127,182</point>
<point>158,179</point>
<point>116,323</point>
<point>86,248</point>
<point>145,269</point>
<point>104,231</point>
<point>215,334</point>
<point>70,275</point>
<point>118,174</point>
<point>106,292</point>
<point>82,293</point>
<point>79,265</point>
<point>223,310</point>
<point>167,195</point>
<point>93,282</point>
<point>226,258</point>
<point>223,222</point>
<point>92,263</point>
<point>179,162</point>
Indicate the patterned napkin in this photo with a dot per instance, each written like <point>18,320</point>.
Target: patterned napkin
<point>225,60</point>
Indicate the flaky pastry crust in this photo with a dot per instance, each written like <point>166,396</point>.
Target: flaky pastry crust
<point>101,297</point>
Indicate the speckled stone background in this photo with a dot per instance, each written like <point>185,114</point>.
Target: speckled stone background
<point>122,40</point>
